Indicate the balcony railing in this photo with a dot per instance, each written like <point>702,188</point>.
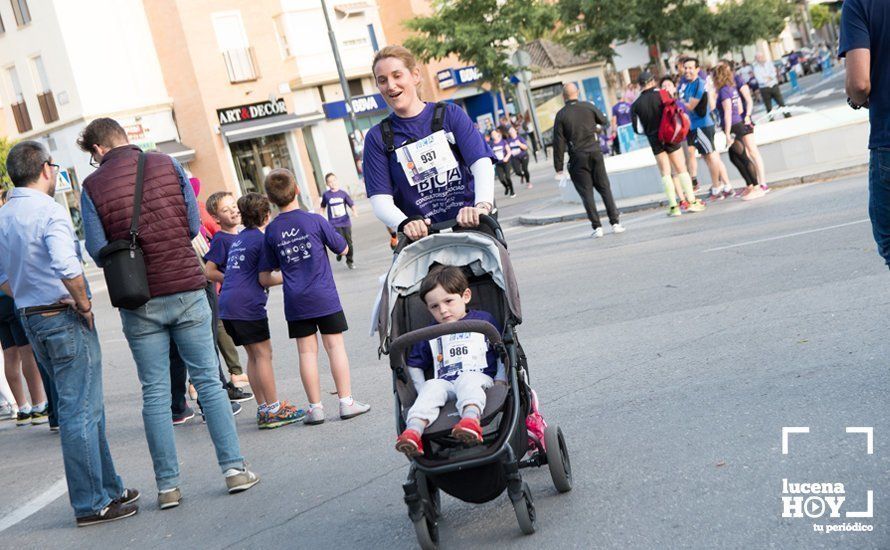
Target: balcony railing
<point>48,107</point>
<point>241,65</point>
<point>22,120</point>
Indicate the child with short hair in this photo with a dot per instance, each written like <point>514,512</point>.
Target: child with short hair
<point>463,365</point>
<point>242,308</point>
<point>222,207</point>
<point>295,244</point>
<point>336,200</point>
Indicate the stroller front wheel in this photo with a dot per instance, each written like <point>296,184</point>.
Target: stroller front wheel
<point>558,458</point>
<point>427,533</point>
<point>525,511</point>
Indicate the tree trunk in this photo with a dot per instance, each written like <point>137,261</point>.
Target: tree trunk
<point>494,103</point>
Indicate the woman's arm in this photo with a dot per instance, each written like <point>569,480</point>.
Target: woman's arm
<point>213,273</point>
<point>726,104</point>
<point>745,91</point>
<point>271,278</point>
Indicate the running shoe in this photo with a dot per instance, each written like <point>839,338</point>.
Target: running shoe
<point>766,188</point>
<point>314,416</point>
<point>696,206</point>
<point>513,196</point>
<point>410,444</point>
<point>618,228</point>
<point>468,431</point>
<point>529,185</point>
<point>8,412</point>
<point>714,197</point>
<point>286,414</point>
<point>674,212</point>
<point>350,265</point>
<point>39,417</point>
<point>112,512</point>
<point>754,193</point>
<point>240,480</point>
<point>352,410</point>
<point>684,206</point>
<point>23,418</point>
<point>729,192</point>
<point>169,499</point>
<point>187,414</point>
<point>236,394</point>
<point>129,496</point>
<point>597,233</point>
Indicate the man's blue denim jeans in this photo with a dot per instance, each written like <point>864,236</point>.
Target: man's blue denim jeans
<point>185,319</point>
<point>879,200</point>
<point>69,351</point>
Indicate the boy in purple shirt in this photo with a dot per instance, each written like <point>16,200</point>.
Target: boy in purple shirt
<point>335,200</point>
<point>295,245</point>
<point>222,207</point>
<point>242,308</point>
<point>462,365</point>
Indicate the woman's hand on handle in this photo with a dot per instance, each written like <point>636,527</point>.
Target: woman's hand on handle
<point>469,215</point>
<point>417,229</point>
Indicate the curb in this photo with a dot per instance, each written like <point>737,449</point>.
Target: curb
<point>827,175</point>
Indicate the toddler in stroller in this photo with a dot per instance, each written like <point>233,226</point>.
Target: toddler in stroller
<point>462,365</point>
<point>503,428</point>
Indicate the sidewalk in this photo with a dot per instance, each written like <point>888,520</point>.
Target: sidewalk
<point>557,210</point>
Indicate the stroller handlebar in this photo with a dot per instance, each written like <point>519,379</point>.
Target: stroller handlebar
<point>485,222</point>
<point>404,341</point>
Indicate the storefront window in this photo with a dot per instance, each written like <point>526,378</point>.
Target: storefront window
<point>255,158</point>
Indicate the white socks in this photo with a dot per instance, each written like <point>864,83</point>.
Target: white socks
<point>348,400</point>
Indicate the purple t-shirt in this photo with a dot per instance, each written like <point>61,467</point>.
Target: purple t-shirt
<point>421,354</point>
<point>295,243</point>
<point>732,94</point>
<point>336,203</point>
<point>219,249</point>
<point>242,297</point>
<point>500,149</point>
<point>515,149</point>
<point>439,198</point>
<point>621,112</point>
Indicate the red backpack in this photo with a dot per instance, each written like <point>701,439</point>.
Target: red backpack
<point>674,122</point>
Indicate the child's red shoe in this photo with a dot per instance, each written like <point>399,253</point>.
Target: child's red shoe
<point>468,431</point>
<point>409,443</point>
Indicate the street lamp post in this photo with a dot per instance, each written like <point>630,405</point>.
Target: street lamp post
<point>353,125</point>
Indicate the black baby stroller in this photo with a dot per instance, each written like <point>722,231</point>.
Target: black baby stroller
<point>481,473</point>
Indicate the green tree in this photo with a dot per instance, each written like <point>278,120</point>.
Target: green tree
<point>481,32</point>
<point>822,15</point>
<point>740,23</point>
<point>5,145</point>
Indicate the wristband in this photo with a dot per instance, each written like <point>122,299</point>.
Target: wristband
<point>484,206</point>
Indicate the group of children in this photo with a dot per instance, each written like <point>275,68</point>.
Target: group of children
<point>290,250</point>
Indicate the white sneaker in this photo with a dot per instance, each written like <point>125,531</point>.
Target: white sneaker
<point>314,416</point>
<point>8,412</point>
<point>597,233</point>
<point>618,228</point>
<point>353,410</point>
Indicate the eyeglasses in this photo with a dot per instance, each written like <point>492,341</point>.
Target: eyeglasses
<point>56,168</point>
<point>93,162</point>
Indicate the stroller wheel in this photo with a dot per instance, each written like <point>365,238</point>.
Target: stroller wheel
<point>427,533</point>
<point>525,511</point>
<point>558,458</point>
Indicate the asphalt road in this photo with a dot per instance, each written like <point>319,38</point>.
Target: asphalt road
<point>671,356</point>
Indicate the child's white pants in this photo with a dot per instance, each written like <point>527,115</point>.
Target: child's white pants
<point>468,389</point>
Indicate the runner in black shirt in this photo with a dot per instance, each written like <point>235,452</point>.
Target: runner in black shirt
<point>646,112</point>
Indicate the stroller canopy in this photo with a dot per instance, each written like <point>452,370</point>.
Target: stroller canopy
<point>481,253</point>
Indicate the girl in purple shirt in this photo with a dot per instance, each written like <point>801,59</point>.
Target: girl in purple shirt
<point>519,157</point>
<point>729,106</point>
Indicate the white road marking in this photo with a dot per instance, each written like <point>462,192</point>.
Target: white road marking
<point>796,99</point>
<point>36,504</point>
<point>777,237</point>
<point>824,93</point>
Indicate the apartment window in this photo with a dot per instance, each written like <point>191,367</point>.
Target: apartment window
<point>237,54</point>
<point>45,98</point>
<point>281,35</point>
<point>355,87</point>
<point>18,107</point>
<point>21,11</point>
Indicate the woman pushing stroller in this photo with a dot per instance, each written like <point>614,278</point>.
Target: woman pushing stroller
<point>463,365</point>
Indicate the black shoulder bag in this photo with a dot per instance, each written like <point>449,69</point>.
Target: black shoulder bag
<point>122,260</point>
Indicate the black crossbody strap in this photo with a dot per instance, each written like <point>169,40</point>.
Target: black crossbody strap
<point>438,117</point>
<point>137,198</point>
<point>389,139</point>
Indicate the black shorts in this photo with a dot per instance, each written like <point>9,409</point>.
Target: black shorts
<point>247,332</point>
<point>659,147</point>
<point>12,335</point>
<point>702,139</point>
<point>335,323</point>
<point>740,130</point>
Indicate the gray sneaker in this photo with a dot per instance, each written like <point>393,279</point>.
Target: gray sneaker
<point>350,411</point>
<point>241,481</point>
<point>314,416</point>
<point>170,499</point>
